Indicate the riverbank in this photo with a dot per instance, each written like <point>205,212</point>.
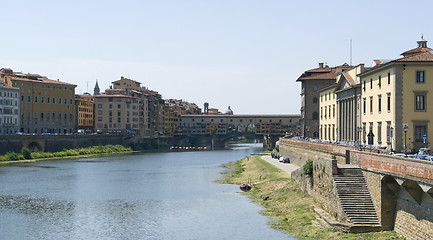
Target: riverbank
<point>25,156</point>
<point>291,210</point>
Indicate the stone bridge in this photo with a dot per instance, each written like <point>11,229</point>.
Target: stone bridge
<point>401,188</point>
<point>53,143</point>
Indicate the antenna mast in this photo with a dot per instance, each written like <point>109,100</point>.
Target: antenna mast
<point>350,52</point>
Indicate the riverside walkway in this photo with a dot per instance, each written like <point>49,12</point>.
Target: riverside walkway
<point>288,167</point>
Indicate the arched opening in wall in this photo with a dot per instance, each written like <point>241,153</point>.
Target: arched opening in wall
<point>241,128</point>
<point>34,147</point>
<point>414,190</point>
<point>251,128</point>
<point>390,190</point>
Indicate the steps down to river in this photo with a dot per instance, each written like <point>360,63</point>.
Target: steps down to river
<point>355,200</point>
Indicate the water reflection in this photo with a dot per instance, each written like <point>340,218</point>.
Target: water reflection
<point>147,196</point>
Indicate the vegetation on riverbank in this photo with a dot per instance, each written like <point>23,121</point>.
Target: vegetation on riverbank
<point>25,154</point>
<point>290,208</point>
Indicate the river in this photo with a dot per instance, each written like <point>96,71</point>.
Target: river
<point>167,195</point>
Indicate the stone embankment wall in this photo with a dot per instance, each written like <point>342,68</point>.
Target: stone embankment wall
<point>393,183</point>
<point>321,185</point>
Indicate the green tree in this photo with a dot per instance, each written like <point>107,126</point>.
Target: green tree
<point>26,153</point>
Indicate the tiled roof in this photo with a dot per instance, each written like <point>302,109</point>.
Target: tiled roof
<point>349,78</point>
<point>419,57</point>
<point>330,75</point>
<point>114,95</point>
<point>416,50</point>
<point>43,80</point>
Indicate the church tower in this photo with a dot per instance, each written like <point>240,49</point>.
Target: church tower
<point>96,90</point>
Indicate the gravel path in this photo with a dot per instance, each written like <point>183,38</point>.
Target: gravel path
<point>288,167</point>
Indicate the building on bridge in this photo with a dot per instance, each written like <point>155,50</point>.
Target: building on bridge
<point>203,124</point>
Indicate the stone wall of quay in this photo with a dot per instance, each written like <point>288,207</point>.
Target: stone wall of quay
<point>393,183</point>
<point>321,185</point>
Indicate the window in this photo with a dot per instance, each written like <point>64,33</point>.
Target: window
<point>379,103</point>
<point>28,99</point>
<point>420,130</point>
<point>364,103</point>
<point>99,105</point>
<point>420,77</point>
<point>379,132</point>
<point>388,132</point>
<point>371,83</point>
<point>371,105</point>
<point>420,102</point>
<point>321,113</point>
<point>315,116</point>
<point>380,81</point>
<point>48,99</point>
<point>389,78</point>
<point>54,100</point>
<point>60,101</point>
<point>315,100</point>
<point>388,102</point>
<point>66,101</point>
<point>36,99</point>
<point>333,110</point>
<point>326,110</point>
<point>364,85</point>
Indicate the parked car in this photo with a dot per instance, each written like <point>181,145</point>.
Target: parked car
<point>421,156</point>
<point>399,155</point>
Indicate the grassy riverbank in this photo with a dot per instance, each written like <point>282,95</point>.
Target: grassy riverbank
<point>26,156</point>
<point>290,208</point>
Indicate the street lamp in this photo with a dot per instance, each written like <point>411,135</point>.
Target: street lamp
<point>359,137</point>
<point>405,128</point>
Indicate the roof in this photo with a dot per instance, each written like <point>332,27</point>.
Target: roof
<point>43,80</point>
<point>114,95</point>
<point>330,74</point>
<point>417,50</point>
<point>349,78</point>
<point>419,57</point>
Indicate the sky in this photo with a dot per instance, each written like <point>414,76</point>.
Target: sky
<point>238,53</point>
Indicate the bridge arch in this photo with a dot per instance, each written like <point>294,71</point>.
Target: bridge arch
<point>34,147</point>
<point>390,190</point>
<point>413,188</point>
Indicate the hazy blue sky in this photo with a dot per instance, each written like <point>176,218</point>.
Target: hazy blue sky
<point>246,54</point>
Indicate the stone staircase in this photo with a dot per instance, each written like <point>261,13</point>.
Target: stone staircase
<point>355,199</point>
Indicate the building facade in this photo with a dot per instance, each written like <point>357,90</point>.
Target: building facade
<point>9,109</point>
<point>328,120</point>
<point>395,99</point>
<point>46,106</point>
<point>85,107</point>
<point>311,82</point>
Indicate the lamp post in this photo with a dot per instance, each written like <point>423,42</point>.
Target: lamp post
<point>405,128</point>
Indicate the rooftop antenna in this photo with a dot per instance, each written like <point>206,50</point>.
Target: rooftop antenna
<point>350,52</point>
<point>87,86</point>
<point>422,36</point>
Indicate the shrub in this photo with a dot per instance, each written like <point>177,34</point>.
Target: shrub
<point>26,153</point>
<point>308,167</point>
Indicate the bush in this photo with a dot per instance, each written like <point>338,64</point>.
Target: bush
<point>26,153</point>
<point>308,167</point>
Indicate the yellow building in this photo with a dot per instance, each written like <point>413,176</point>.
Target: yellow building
<point>116,112</point>
<point>47,106</point>
<point>327,119</point>
<point>85,106</point>
<point>395,100</point>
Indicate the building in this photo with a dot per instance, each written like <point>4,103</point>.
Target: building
<point>225,123</point>
<point>328,120</point>
<point>117,112</point>
<point>395,97</point>
<point>85,107</point>
<point>9,109</point>
<point>47,106</point>
<point>348,94</point>
<point>311,82</point>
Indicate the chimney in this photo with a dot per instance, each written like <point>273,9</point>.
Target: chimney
<point>321,65</point>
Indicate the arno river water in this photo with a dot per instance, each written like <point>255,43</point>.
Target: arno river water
<point>142,196</point>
